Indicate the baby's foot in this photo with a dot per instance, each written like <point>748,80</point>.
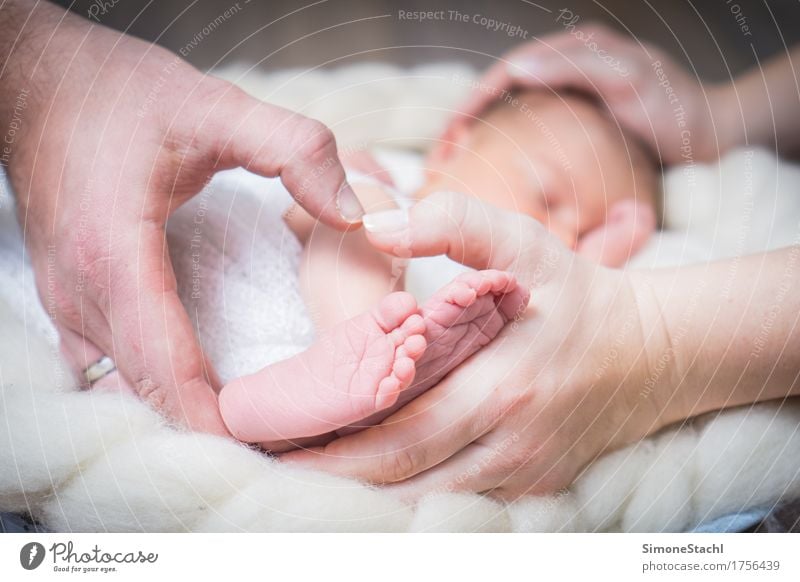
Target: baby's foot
<point>354,370</point>
<point>460,319</point>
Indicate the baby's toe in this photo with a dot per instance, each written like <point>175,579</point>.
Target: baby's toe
<point>514,301</point>
<point>394,310</point>
<point>484,282</point>
<point>403,370</point>
<point>388,392</point>
<point>414,325</point>
<point>501,282</point>
<point>413,347</point>
<point>463,294</point>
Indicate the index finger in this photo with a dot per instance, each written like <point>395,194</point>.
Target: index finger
<point>273,141</point>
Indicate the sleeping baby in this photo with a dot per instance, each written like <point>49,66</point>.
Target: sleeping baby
<point>557,158</point>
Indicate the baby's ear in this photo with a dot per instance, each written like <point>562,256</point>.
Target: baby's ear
<point>626,230</point>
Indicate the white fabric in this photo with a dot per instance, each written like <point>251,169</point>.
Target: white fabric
<point>91,461</point>
<point>236,265</point>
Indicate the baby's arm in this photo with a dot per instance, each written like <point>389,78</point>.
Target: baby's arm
<point>341,274</point>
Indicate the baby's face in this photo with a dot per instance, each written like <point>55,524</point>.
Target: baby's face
<point>555,158</point>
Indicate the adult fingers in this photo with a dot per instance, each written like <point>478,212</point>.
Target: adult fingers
<point>272,141</point>
<point>537,63</point>
<point>504,75</point>
<point>469,231</point>
<point>594,59</point>
<point>463,472</point>
<point>152,339</point>
<point>500,465</point>
<point>81,353</point>
<point>575,69</point>
<point>493,86</point>
<point>428,430</point>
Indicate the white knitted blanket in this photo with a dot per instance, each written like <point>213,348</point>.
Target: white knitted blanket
<point>85,461</point>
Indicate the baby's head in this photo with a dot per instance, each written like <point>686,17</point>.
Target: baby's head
<point>562,160</point>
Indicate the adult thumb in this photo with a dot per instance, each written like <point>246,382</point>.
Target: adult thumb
<point>470,232</point>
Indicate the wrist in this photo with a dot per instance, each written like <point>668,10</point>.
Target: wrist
<point>656,373</point>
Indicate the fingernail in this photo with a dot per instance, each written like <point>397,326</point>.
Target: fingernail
<point>348,205</point>
<point>386,221</point>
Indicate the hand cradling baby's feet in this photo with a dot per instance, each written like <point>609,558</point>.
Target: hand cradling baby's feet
<point>366,367</point>
<point>354,369</point>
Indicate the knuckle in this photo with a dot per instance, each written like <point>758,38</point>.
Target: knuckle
<point>213,93</point>
<point>499,494</point>
<point>510,401</point>
<point>512,489</point>
<point>509,465</point>
<point>214,89</point>
<point>400,464</point>
<point>447,206</point>
<point>314,141</point>
<point>150,392</point>
<point>552,479</point>
<point>516,459</point>
<point>97,273</point>
<point>206,120</point>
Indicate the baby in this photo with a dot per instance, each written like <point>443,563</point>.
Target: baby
<point>558,159</point>
<point>561,160</point>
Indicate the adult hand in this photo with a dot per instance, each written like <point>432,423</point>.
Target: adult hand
<point>554,390</point>
<point>116,135</point>
<point>644,89</point>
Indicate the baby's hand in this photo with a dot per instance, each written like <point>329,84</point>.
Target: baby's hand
<point>627,227</point>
